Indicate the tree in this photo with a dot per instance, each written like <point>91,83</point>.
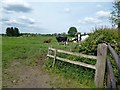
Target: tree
<point>64,34</point>
<point>115,14</point>
<point>10,31</point>
<point>72,31</point>
<point>16,32</point>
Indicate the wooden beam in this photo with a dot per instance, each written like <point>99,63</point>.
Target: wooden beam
<point>115,56</point>
<point>111,74</point>
<point>100,65</point>
<point>76,54</point>
<point>55,53</point>
<point>74,62</point>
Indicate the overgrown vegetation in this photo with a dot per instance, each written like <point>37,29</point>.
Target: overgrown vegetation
<point>102,35</point>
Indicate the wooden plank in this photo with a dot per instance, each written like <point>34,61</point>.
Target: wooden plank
<point>108,80</point>
<point>76,54</point>
<point>108,73</point>
<point>55,52</point>
<point>111,74</point>
<point>117,59</point>
<point>100,65</point>
<point>48,53</point>
<point>74,62</point>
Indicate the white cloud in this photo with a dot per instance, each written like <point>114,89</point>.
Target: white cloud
<point>89,20</point>
<point>20,20</point>
<point>12,21</point>
<point>92,20</point>
<point>103,14</point>
<point>67,10</point>
<point>70,1</point>
<point>99,5</point>
<point>16,5</point>
<point>25,19</point>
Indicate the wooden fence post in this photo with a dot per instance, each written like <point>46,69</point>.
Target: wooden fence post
<point>100,65</point>
<point>48,53</point>
<point>55,53</point>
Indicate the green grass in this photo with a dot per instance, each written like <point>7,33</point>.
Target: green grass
<point>22,49</point>
<point>82,75</point>
<point>28,51</point>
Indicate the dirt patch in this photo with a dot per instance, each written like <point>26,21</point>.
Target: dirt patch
<point>33,78</point>
<point>21,76</point>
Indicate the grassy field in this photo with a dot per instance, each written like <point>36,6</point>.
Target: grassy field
<point>22,54</point>
<point>25,62</point>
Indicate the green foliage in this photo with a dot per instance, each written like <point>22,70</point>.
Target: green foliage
<point>103,36</point>
<point>12,31</point>
<point>72,31</point>
<point>64,34</point>
<point>100,36</point>
<point>116,14</point>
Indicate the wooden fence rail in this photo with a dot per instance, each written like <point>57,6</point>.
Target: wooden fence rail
<point>102,59</point>
<point>75,54</point>
<point>115,56</point>
<point>111,81</point>
<point>110,74</point>
<point>73,62</point>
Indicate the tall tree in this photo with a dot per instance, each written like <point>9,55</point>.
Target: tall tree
<point>16,32</point>
<point>115,14</point>
<point>10,31</point>
<point>72,31</point>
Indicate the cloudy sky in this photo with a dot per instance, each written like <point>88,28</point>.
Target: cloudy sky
<point>34,16</point>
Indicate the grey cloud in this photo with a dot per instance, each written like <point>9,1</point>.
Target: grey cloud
<point>17,8</point>
<point>4,19</point>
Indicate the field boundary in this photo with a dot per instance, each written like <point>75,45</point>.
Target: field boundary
<point>102,62</point>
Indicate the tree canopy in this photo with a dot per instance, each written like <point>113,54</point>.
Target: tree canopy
<point>10,31</point>
<point>115,14</point>
<point>72,31</point>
